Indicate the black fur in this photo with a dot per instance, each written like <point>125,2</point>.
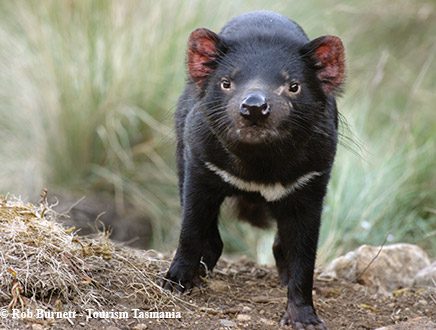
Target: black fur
<point>261,53</point>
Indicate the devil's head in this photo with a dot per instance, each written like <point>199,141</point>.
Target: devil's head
<point>260,87</point>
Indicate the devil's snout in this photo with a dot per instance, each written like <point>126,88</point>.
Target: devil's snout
<point>254,107</point>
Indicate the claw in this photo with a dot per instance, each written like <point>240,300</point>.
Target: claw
<point>181,279</point>
<point>309,322</point>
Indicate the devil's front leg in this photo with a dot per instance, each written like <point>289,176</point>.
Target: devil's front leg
<point>202,199</point>
<point>298,222</point>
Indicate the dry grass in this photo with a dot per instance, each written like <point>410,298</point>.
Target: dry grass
<point>44,265</point>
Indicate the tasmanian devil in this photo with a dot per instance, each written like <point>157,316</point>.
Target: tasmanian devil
<point>257,121</point>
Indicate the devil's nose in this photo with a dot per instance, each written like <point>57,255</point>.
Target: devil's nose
<point>254,107</point>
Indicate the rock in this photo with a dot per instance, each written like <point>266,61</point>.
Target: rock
<point>381,269</point>
<point>421,323</point>
<point>227,323</point>
<point>426,276</point>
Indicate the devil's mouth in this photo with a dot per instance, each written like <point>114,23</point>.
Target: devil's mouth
<point>255,134</point>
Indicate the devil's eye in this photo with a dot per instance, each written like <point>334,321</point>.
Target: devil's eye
<point>225,83</point>
<point>294,88</point>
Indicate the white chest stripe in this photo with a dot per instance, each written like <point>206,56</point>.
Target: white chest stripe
<point>271,192</point>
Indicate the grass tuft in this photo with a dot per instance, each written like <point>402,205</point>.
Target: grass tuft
<point>45,266</point>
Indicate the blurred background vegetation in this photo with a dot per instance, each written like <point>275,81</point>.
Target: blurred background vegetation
<point>88,90</point>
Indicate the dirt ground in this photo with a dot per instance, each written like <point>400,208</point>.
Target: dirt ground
<point>243,295</point>
<point>50,278</point>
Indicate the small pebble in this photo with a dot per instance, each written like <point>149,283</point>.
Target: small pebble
<point>227,323</point>
<point>243,317</point>
<point>140,326</point>
<point>36,326</point>
<point>268,322</point>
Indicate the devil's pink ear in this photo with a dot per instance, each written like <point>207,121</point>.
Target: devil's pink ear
<point>203,50</point>
<point>328,57</point>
